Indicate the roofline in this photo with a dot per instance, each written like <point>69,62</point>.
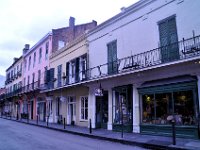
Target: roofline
<point>38,43</point>
<point>128,10</point>
<point>18,59</point>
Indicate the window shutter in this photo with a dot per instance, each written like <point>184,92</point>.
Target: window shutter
<point>67,73</point>
<point>51,78</point>
<point>168,40</point>
<point>77,70</point>
<point>112,57</point>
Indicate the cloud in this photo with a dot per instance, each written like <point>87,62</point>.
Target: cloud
<point>27,21</point>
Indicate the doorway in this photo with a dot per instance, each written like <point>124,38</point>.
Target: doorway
<point>102,110</point>
<point>71,116</point>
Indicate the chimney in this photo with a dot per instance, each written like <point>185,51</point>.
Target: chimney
<point>15,59</point>
<point>123,9</point>
<point>26,48</point>
<point>71,22</point>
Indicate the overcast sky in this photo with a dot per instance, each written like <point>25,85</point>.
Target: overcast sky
<point>27,21</point>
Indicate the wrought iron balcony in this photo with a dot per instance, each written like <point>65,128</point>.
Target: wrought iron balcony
<point>182,50</point>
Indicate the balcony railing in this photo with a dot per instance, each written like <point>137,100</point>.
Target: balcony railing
<point>182,50</point>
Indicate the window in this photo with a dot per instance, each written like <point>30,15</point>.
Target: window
<point>84,67</point>
<point>25,63</point>
<point>158,107</point>
<point>29,61</point>
<point>73,69</point>
<point>40,55</point>
<point>168,39</point>
<point>34,59</point>
<point>39,77</point>
<point>112,57</point>
<point>24,81</point>
<point>84,108</point>
<point>47,51</point>
<point>33,80</point>
<point>61,44</point>
<point>122,105</point>
<point>28,80</point>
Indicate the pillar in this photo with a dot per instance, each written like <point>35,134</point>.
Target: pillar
<point>92,107</point>
<point>136,110</point>
<point>110,111</point>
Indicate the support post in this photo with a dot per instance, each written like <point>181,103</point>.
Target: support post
<point>37,119</point>
<point>48,121</point>
<point>122,133</point>
<point>64,122</point>
<point>173,132</point>
<point>90,127</point>
<point>28,118</point>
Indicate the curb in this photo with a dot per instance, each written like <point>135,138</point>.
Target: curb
<point>122,141</point>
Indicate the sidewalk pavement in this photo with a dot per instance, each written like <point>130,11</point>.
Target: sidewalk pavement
<point>145,141</point>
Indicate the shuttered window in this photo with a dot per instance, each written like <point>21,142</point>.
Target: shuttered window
<point>112,57</point>
<point>168,39</point>
<point>67,73</point>
<point>59,76</point>
<point>77,70</point>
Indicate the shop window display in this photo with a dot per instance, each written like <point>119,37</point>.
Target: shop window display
<point>122,108</point>
<point>158,107</point>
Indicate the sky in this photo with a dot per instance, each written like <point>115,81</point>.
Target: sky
<point>27,21</point>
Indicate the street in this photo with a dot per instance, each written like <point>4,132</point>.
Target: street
<point>19,136</point>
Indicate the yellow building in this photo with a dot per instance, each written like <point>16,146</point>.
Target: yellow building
<point>68,66</point>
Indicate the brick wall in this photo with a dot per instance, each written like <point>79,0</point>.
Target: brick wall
<point>67,34</point>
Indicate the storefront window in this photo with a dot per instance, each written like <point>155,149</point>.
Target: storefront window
<point>175,104</point>
<point>148,109</point>
<point>184,108</point>
<point>163,107</point>
<point>123,106</point>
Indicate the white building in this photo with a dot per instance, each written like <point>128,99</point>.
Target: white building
<point>146,59</point>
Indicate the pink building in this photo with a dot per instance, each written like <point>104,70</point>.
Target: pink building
<point>35,63</point>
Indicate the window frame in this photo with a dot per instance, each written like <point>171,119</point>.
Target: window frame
<point>84,98</point>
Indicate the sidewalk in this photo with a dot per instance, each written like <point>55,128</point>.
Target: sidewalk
<point>145,141</point>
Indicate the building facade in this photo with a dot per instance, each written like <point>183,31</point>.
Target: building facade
<point>13,86</point>
<point>36,63</point>
<point>147,66</point>
<point>69,66</point>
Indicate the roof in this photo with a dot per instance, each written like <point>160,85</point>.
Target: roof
<point>14,63</point>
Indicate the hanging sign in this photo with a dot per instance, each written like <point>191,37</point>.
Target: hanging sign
<point>98,92</point>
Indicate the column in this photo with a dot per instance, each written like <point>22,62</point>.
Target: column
<point>92,107</point>
<point>136,110</point>
<point>110,112</point>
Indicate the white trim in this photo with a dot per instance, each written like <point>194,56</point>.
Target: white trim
<point>83,120</point>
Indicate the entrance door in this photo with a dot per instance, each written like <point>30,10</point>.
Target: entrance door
<point>42,111</point>
<point>168,40</point>
<point>71,116</point>
<point>102,111</point>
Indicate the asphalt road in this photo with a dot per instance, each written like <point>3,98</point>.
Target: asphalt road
<point>18,136</point>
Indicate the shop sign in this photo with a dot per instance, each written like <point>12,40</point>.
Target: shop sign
<point>98,92</point>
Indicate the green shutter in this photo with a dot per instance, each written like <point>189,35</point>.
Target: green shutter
<point>77,70</point>
<point>112,57</point>
<point>169,40</point>
<point>67,73</point>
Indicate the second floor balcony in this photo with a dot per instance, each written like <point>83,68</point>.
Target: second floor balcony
<point>184,50</point>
